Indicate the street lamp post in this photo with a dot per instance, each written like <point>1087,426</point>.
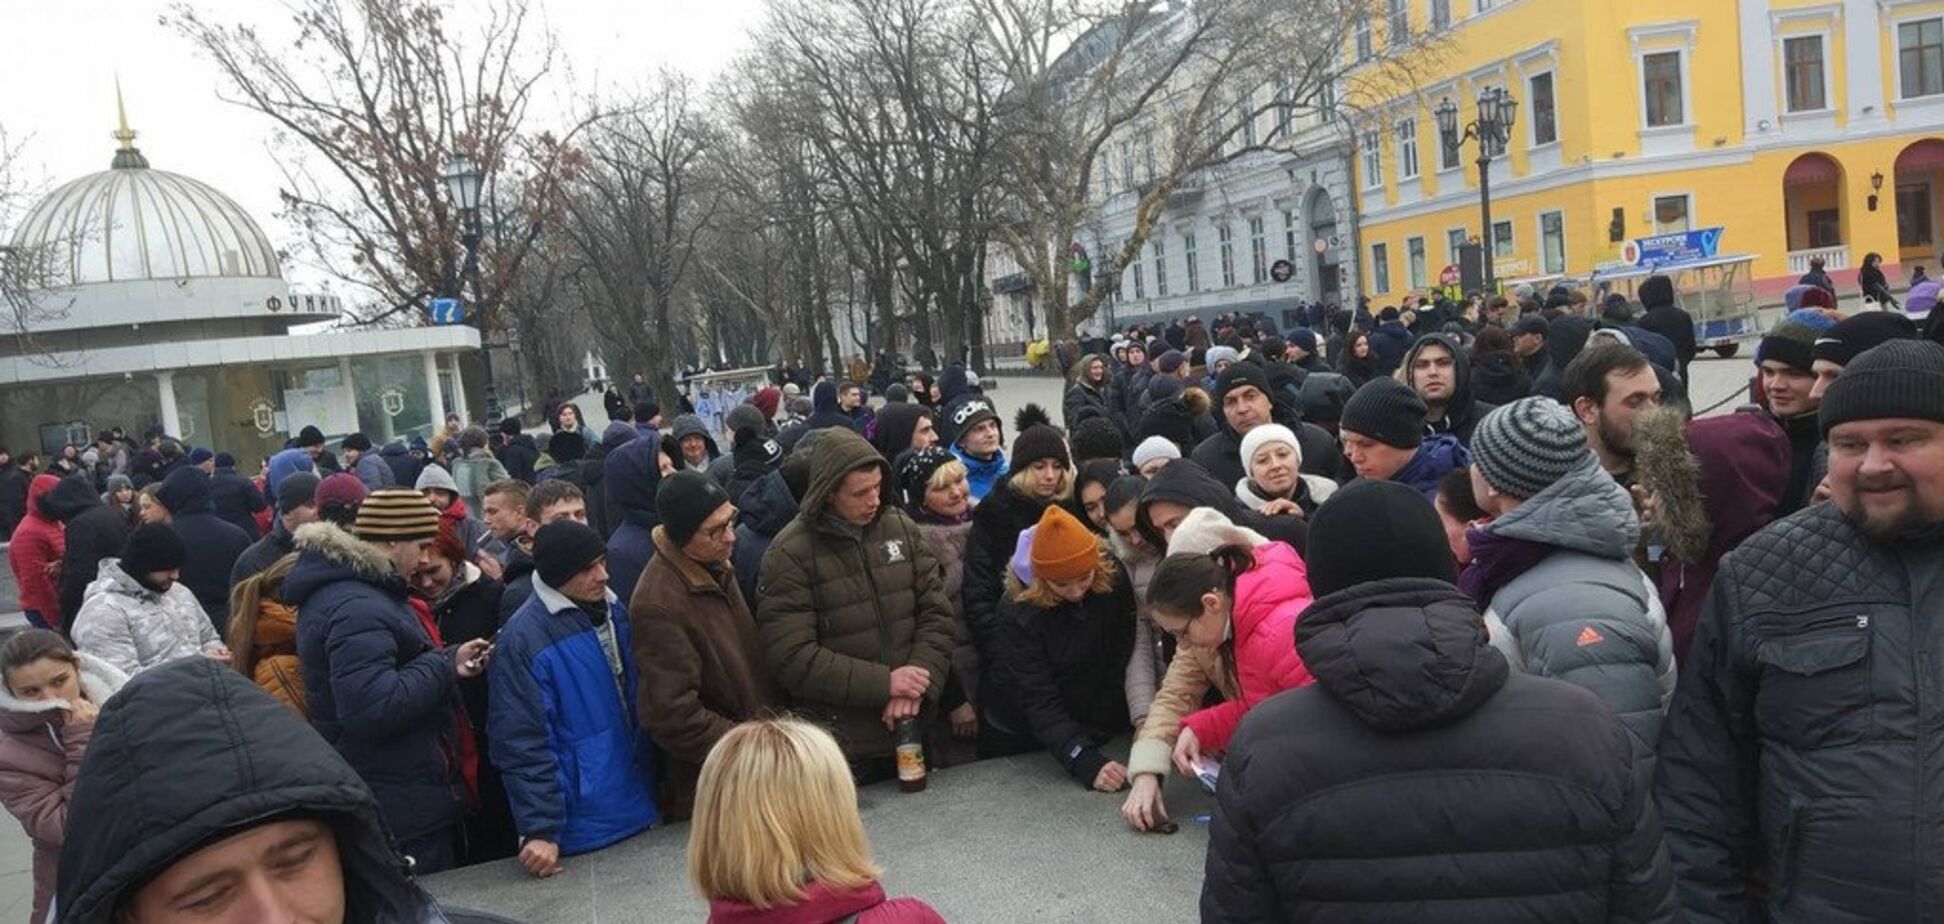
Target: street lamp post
<point>463,180</point>
<point>1497,110</point>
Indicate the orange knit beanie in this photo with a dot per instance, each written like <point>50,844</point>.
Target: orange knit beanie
<point>1063,549</point>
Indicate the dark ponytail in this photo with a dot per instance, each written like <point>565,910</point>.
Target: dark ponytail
<point>30,645</point>
<point>1182,578</point>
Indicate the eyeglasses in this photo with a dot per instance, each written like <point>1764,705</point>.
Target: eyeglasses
<point>719,533</point>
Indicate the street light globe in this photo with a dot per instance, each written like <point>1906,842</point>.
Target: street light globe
<point>463,179</point>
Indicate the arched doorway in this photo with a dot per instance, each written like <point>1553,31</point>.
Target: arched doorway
<point>1325,284</point>
<point>1920,200</point>
<point>1812,203</point>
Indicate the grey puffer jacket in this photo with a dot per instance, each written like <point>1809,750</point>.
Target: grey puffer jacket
<point>134,628</point>
<point>1586,614</point>
<point>1801,751</point>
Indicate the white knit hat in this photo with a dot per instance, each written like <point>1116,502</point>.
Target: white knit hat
<point>1155,447</point>
<point>1205,529</point>
<point>1264,435</point>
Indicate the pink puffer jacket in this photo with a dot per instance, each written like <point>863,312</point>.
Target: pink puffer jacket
<point>1268,598</point>
<point>39,756</point>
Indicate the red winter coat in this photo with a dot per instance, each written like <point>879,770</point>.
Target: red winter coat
<point>824,905</point>
<point>39,757</point>
<point>1268,598</point>
<point>37,541</point>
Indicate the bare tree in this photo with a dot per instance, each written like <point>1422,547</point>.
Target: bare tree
<point>29,270</point>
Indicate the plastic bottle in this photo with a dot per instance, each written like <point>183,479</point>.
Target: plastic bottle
<point>911,757</point>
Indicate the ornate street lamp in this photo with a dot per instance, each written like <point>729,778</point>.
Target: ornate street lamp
<point>463,180</point>
<point>1497,110</point>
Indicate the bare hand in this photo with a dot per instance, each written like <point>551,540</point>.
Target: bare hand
<point>52,568</point>
<point>1822,492</point>
<point>82,712</point>
<point>1144,809</point>
<point>473,657</point>
<point>219,653</point>
<point>899,708</point>
<point>965,721</point>
<point>489,566</point>
<point>910,682</point>
<point>541,858</point>
<point>1187,752</point>
<point>1281,506</point>
<point>1111,777</point>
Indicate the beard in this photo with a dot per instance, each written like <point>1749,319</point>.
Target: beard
<point>1617,441</point>
<point>1909,523</point>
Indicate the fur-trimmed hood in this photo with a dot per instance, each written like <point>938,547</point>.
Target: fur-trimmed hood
<point>327,553</point>
<point>99,680</point>
<point>1663,465</point>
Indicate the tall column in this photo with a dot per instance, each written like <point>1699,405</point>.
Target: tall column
<point>459,391</point>
<point>349,395</point>
<point>166,399</point>
<point>433,393</point>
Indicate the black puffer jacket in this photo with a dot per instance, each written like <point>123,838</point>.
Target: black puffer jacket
<point>94,531</point>
<point>1496,379</point>
<point>996,525</point>
<point>1801,750</point>
<point>520,455</point>
<point>1188,484</point>
<point>214,544</point>
<point>767,507</point>
<point>1060,677</point>
<point>237,500</point>
<point>1221,454</point>
<point>1420,779</point>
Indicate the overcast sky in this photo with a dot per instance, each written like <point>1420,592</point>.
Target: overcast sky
<point>62,57</point>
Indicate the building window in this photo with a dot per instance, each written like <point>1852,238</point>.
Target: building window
<point>1440,15</point>
<point>1552,242</point>
<point>1147,152</point>
<point>1246,103</point>
<point>1140,281</point>
<point>1484,5</point>
<point>1803,72</point>
<point>1258,252</point>
<point>1914,215</point>
<point>1502,238</point>
<point>1106,176</point>
<point>1414,252</point>
<point>1365,48</point>
<point>1326,100</point>
<point>1407,161</point>
<point>1660,75</point>
<point>1454,244</point>
<point>1545,125</point>
<point>1670,214</point>
<point>1285,105</point>
<point>1225,236</point>
<point>1825,228</point>
<point>1448,157</point>
<point>1373,160</point>
<point>1160,250</point>
<point>1194,269</point>
<point>1400,22</point>
<point>1920,57</point>
<point>1380,268</point>
<point>1289,235</point>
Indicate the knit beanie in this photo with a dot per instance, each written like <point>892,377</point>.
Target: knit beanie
<point>1221,354</point>
<point>396,514</point>
<point>1206,529</point>
<point>896,393</point>
<point>684,500</point>
<point>1902,378</point>
<point>893,426</point>
<point>752,446</point>
<point>1039,441</point>
<point>1155,447</point>
<point>766,399</point>
<point>1265,435</point>
<point>201,454</point>
<point>185,490</point>
<point>1791,344</point>
<point>1657,290</point>
<point>1063,548</point>
<point>1303,339</point>
<point>564,548</point>
<point>1237,376</point>
<point>1814,319</point>
<point>563,447</point>
<point>118,481</point>
<point>342,489</point>
<point>225,460</point>
<point>1171,362</point>
<point>1373,531</point>
<point>744,415</point>
<point>310,436</point>
<point>1525,446</point>
<point>434,475</point>
<point>962,414</point>
<point>510,427</point>
<point>914,469</point>
<point>1170,420</point>
<point>1388,411</point>
<point>1850,337</point>
<point>1096,438</point>
<point>152,547</point>
<point>358,441</point>
<point>299,489</point>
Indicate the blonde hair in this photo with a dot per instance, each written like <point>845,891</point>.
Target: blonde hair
<point>775,808</point>
<point>944,475</point>
<point>1021,483</point>
<point>1041,594</point>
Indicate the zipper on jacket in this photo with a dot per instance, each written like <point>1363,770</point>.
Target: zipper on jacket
<point>877,602</point>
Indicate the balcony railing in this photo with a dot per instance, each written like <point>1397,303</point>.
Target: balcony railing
<point>1834,258</point>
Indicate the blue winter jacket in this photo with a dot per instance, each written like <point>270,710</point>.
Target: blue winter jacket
<point>1435,456</point>
<point>982,475</point>
<point>378,690</point>
<point>632,478</point>
<point>1388,344</point>
<point>578,770</point>
<point>766,508</point>
<point>294,459</point>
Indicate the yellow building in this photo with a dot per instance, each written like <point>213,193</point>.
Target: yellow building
<point>1805,128</point>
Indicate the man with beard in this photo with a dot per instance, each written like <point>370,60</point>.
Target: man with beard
<point>1798,774</point>
<point>1606,386</point>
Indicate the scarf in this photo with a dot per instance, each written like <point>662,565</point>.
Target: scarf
<point>1496,562</point>
<point>464,748</point>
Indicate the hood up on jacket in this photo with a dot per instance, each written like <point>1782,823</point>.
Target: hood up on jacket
<point>71,498</point>
<point>1458,410</point>
<point>38,489</point>
<point>1586,511</point>
<point>190,752</point>
<point>1401,653</point>
<point>951,384</point>
<point>617,434</point>
<point>339,556</point>
<point>689,425</point>
<point>1566,337</point>
<point>632,474</point>
<point>185,491</point>
<point>768,505</point>
<point>823,397</point>
<point>895,425</point>
<point>99,681</point>
<point>839,453</point>
<point>1744,466</point>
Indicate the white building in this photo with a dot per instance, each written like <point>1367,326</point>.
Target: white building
<point>169,310</point>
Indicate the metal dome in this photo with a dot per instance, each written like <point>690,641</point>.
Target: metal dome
<point>131,223</point>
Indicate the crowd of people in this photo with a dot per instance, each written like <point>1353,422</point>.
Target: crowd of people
<point>1453,606</point>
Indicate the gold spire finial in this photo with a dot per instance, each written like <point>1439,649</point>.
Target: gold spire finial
<point>124,134</point>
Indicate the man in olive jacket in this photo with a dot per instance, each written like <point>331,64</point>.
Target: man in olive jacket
<point>852,611</point>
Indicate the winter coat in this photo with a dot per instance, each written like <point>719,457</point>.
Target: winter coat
<point>1145,664</point>
<point>562,724</point>
<point>405,469</point>
<point>237,500</point>
<point>1268,599</point>
<point>1677,326</point>
<point>40,756</point>
<point>1185,686</point>
<point>1221,454</point>
<point>1805,435</point>
<point>274,666</point>
<point>1819,279</point>
<point>948,543</point>
<point>134,628</point>
<point>1744,463</point>
<point>372,470</point>
<point>701,666</point>
<point>1798,771</point>
<point>473,472</point>
<point>632,476</point>
<point>1435,458</point>
<point>155,787</point>
<point>1311,491</point>
<point>1059,674</point>
<point>14,482</point>
<point>1585,613</point>
<point>1420,773</point>
<point>1463,411</point>
<point>214,546</point>
<point>262,553</point>
<point>516,574</point>
<point>1190,486</point>
<point>983,476</point>
<point>767,507</point>
<point>1389,341</point>
<point>996,525</point>
<point>518,456</point>
<point>825,412</point>
<point>840,606</point>
<point>1084,400</point>
<point>825,905</point>
<point>93,531</point>
<point>743,474</point>
<point>288,461</point>
<point>1497,380</point>
<point>38,541</point>
<point>1564,340</point>
<point>379,691</point>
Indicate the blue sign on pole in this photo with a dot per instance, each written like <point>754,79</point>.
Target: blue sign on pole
<point>444,311</point>
<point>1672,249</point>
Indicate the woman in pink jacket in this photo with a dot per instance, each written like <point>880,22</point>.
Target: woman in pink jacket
<point>1243,603</point>
<point>47,713</point>
<point>35,556</point>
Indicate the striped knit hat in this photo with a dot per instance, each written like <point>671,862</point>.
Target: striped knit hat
<point>1525,446</point>
<point>396,514</point>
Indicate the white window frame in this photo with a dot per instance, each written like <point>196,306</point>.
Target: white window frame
<point>1380,268</point>
<point>1407,149</point>
<point>1245,112</point>
<point>1258,250</point>
<point>1453,251</point>
<point>1225,253</point>
<point>1540,219</point>
<point>1365,40</point>
<point>1676,38</point>
<point>1140,280</point>
<point>1373,159</point>
<point>1291,235</point>
<point>1417,263</point>
<point>1191,258</point>
<point>1159,248</point>
<point>1147,150</point>
<point>1395,11</point>
<point>1681,73</point>
<point>1653,198</point>
<point>1822,36</point>
<point>1511,241</point>
<point>1439,22</point>
<point>1532,109</point>
<point>1127,163</point>
<point>1896,50</point>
